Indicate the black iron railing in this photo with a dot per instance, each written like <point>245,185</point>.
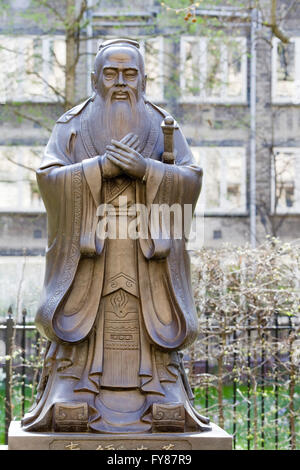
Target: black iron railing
<point>259,368</point>
<point>234,388</point>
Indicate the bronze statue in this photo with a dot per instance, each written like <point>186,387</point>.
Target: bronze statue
<point>116,310</point>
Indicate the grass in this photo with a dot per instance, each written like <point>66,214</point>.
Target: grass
<point>17,406</point>
<point>213,413</point>
<point>264,435</point>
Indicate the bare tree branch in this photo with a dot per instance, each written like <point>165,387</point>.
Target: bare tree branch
<point>273,25</point>
<point>19,164</point>
<point>32,119</point>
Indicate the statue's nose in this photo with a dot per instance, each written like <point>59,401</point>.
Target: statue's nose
<point>121,79</point>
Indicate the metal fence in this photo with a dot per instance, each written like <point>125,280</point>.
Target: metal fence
<point>20,362</point>
<point>242,389</point>
<point>254,371</point>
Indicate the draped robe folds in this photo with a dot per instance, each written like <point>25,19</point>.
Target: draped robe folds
<point>72,187</point>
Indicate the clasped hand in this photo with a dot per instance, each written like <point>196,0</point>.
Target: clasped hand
<point>124,157</point>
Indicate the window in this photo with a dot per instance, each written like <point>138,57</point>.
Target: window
<point>286,181</point>
<point>152,51</point>
<point>34,68</point>
<point>213,70</point>
<point>224,179</point>
<point>18,187</point>
<point>286,71</point>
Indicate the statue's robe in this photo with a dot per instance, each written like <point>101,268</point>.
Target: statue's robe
<point>115,312</point>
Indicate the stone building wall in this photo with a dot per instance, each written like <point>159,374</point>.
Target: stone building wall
<point>204,125</point>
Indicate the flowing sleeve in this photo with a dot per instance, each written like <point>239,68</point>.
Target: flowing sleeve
<point>168,307</point>
<point>71,192</point>
<point>171,186</point>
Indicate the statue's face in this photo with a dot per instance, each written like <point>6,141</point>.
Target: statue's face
<point>119,74</point>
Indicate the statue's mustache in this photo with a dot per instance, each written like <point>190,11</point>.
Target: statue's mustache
<point>123,90</point>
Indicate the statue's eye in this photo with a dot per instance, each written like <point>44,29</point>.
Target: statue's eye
<point>130,74</point>
<point>109,74</point>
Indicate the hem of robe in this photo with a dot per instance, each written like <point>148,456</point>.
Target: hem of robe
<point>105,420</point>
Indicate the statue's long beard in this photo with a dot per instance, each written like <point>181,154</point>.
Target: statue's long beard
<point>112,119</point>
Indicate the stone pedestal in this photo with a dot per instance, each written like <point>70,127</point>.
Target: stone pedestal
<point>216,439</point>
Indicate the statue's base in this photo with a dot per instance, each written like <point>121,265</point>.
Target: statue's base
<point>216,439</point>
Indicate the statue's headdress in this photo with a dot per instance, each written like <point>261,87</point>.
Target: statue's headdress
<point>112,42</point>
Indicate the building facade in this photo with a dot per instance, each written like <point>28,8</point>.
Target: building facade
<point>230,82</point>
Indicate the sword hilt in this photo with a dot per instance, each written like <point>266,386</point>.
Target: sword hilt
<point>168,126</point>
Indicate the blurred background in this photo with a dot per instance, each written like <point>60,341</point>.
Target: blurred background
<point>229,72</point>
